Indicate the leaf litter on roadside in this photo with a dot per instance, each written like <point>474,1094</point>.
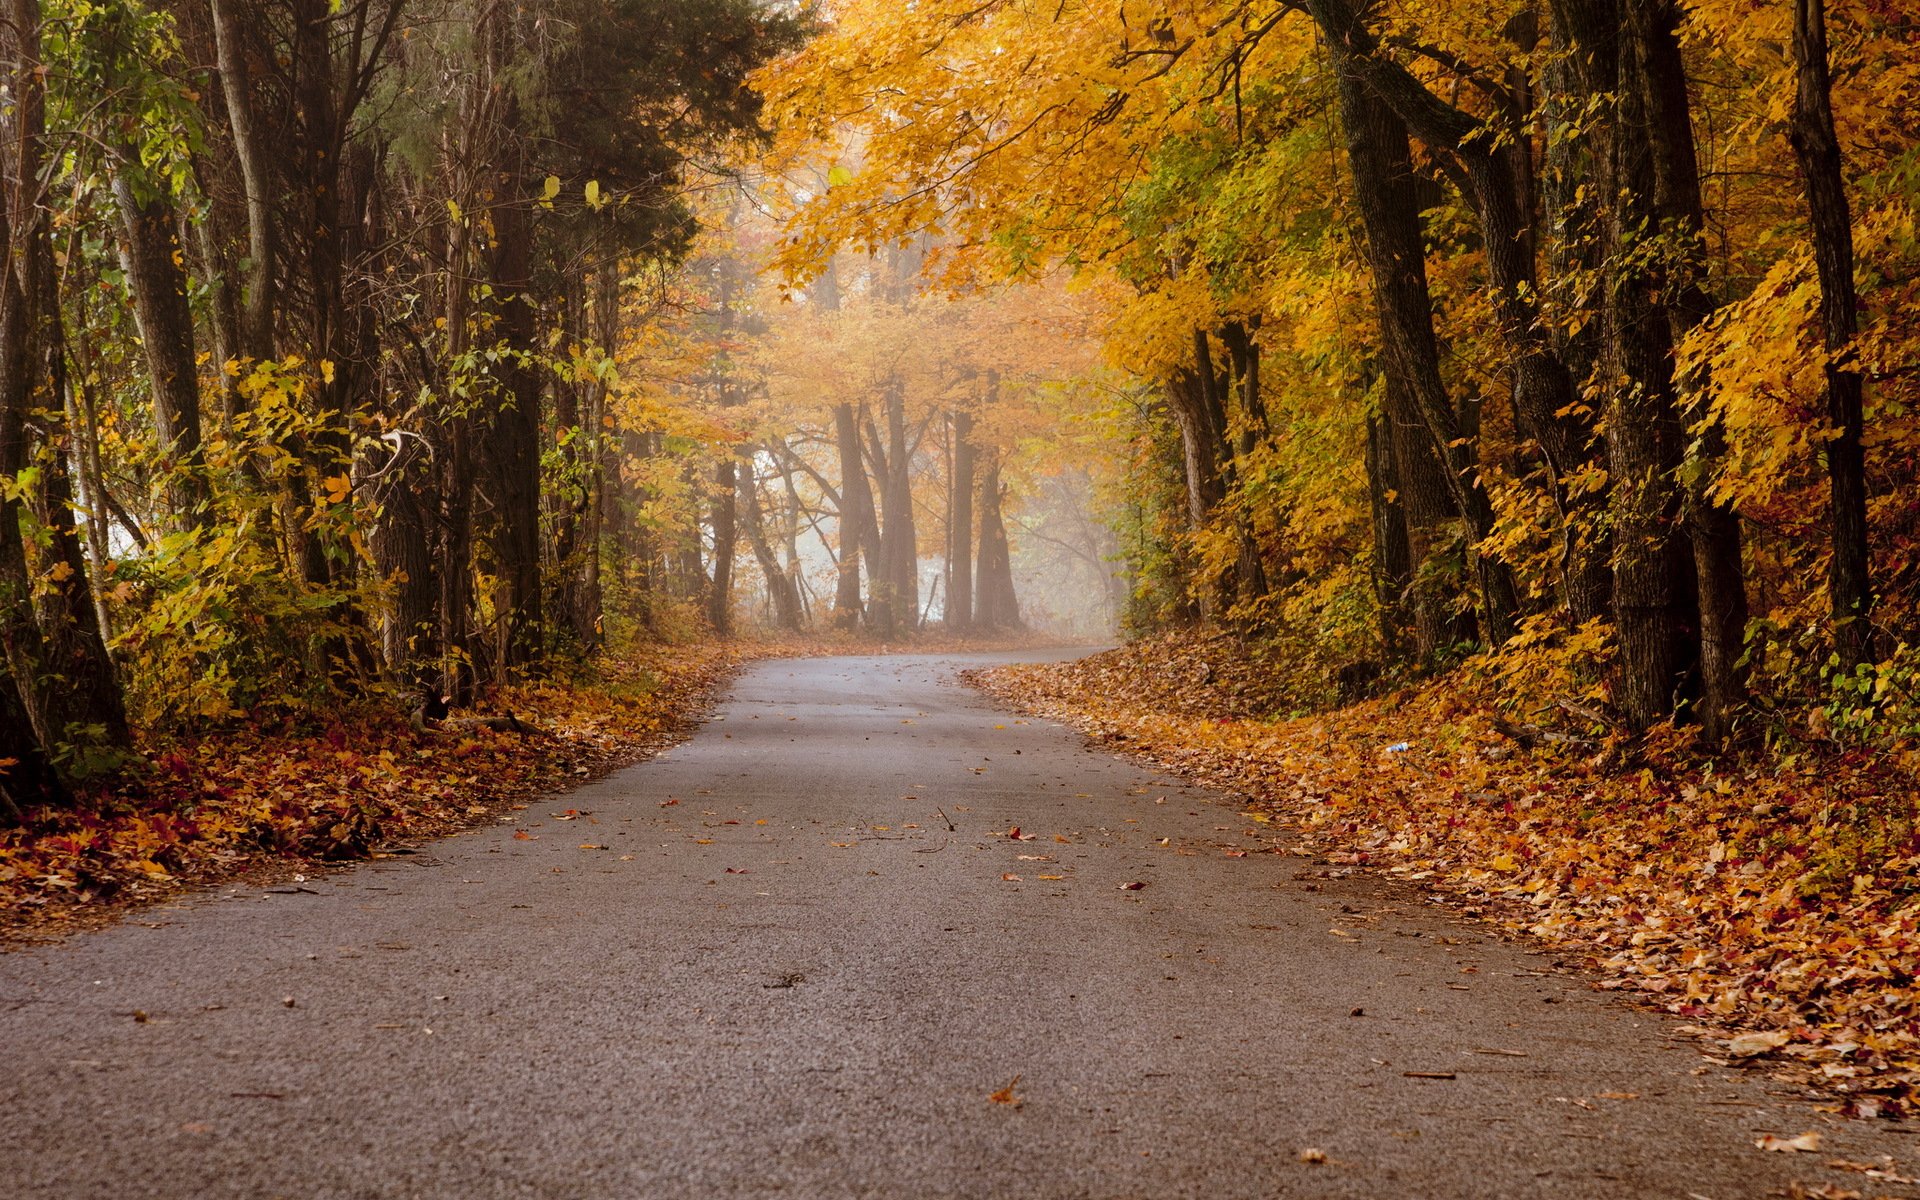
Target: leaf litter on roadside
<point>1770,903</point>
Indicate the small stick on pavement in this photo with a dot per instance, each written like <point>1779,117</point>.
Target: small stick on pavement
<point>951,828</point>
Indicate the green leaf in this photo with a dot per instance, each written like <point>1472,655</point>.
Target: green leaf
<point>838,177</point>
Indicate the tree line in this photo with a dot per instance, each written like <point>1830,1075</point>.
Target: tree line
<point>1574,330</point>
<point>309,319</point>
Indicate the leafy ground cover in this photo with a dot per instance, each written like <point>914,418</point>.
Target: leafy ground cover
<point>348,784</point>
<point>275,796</point>
<point>1772,902</point>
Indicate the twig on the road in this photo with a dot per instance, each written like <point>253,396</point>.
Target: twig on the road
<point>934,849</point>
<point>951,827</point>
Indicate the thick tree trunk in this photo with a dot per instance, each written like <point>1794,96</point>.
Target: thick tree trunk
<point>156,273</point>
<point>1713,529</point>
<point>1385,191</point>
<point>1817,148</point>
<point>1545,395</point>
<point>512,429</point>
<point>1654,581</point>
<point>960,531</point>
<point>27,780</point>
<point>900,541</point>
<point>79,697</point>
<point>856,515</point>
<point>996,606</point>
<point>1392,563</point>
<point>1429,514</point>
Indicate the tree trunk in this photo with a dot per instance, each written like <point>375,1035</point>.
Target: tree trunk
<point>725,539</point>
<point>1392,565</point>
<point>156,273</point>
<point>1817,148</point>
<point>1545,395</point>
<point>856,515</point>
<point>1713,529</point>
<point>1385,191</point>
<point>512,429</point>
<point>781,591</point>
<point>996,606</point>
<point>80,700</point>
<point>960,531</point>
<point>258,294</point>
<point>900,544</point>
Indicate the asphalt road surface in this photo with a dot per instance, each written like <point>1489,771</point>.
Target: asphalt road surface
<point>764,965</point>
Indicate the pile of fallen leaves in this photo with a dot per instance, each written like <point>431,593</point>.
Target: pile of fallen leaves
<point>338,786</point>
<point>1775,904</point>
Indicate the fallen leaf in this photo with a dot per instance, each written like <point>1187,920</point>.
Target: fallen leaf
<point>1010,877</point>
<point>1005,1095</point>
<point>591,846</point>
<point>1132,887</point>
<point>1063,841</point>
<point>1051,877</point>
<point>703,841</point>
<point>1806,1143</point>
<point>1748,1045</point>
<point>1312,1155</point>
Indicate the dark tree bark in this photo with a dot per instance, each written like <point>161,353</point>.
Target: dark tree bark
<point>1817,148</point>
<point>1654,581</point>
<point>1386,193</point>
<point>1545,395</point>
<point>1392,562</point>
<point>78,692</point>
<point>1713,529</point>
<point>1428,518</point>
<point>154,262</point>
<point>28,780</point>
<point>511,479</point>
<point>1679,589</point>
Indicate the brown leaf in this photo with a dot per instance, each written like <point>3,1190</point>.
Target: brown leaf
<point>1005,1095</point>
<point>1806,1143</point>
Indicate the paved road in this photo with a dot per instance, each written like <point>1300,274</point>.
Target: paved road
<point>785,976</point>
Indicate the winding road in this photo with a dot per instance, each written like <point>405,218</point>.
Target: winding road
<point>799,955</point>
